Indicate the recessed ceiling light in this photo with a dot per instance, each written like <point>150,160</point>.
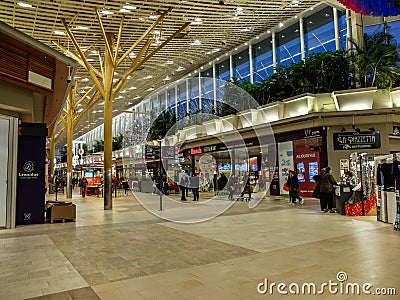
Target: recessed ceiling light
<point>197,21</point>
<point>106,12</point>
<point>23,4</point>
<point>167,78</point>
<point>196,42</point>
<point>137,97</point>
<point>268,31</point>
<point>129,7</point>
<point>78,27</point>
<point>123,10</point>
<point>152,17</point>
<point>59,32</point>
<point>150,89</point>
<point>280,24</point>
<point>170,62</point>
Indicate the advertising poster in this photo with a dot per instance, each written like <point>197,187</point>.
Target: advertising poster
<point>312,170</point>
<point>30,174</point>
<point>301,172</point>
<point>307,163</point>
<point>285,160</point>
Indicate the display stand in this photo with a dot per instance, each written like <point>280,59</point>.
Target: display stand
<point>387,191</point>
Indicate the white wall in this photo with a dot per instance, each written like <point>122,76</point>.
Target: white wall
<point>4,129</point>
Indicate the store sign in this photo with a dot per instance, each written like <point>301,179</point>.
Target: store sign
<point>151,152</point>
<point>356,140</point>
<point>312,132</point>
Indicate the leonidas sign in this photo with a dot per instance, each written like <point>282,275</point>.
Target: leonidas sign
<point>356,140</point>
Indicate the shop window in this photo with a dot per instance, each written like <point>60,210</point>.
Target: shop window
<point>241,65</point>
<point>319,32</point>
<point>263,64</point>
<point>288,45</point>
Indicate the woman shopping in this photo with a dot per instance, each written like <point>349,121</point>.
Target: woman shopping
<point>327,190</point>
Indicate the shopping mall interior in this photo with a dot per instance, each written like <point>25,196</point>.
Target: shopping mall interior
<point>199,149</point>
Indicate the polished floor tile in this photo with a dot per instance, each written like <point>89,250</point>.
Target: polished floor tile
<point>129,253</point>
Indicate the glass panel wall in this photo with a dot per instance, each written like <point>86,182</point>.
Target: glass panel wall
<point>181,100</point>
<point>171,100</point>
<point>342,29</point>
<point>241,65</point>
<point>319,32</point>
<point>288,45</point>
<point>193,95</point>
<point>263,64</point>
<point>207,90</point>
<point>222,73</point>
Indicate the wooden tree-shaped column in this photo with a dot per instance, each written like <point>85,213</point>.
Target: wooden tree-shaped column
<point>103,79</point>
<point>70,119</point>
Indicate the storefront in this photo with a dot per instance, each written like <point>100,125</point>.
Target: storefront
<point>303,151</point>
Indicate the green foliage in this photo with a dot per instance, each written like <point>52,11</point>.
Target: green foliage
<point>117,142</point>
<point>98,146</point>
<point>376,63</point>
<point>319,73</point>
<point>161,126</point>
<point>86,150</point>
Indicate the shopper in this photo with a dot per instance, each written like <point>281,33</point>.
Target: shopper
<point>246,188</point>
<point>293,185</point>
<point>231,186</point>
<point>125,186</point>
<point>194,183</point>
<point>327,190</point>
<point>84,183</point>
<point>183,184</point>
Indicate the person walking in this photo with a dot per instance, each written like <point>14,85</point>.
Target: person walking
<point>231,186</point>
<point>194,183</point>
<point>183,184</point>
<point>293,185</point>
<point>84,183</point>
<point>125,186</point>
<point>326,191</point>
<point>246,187</point>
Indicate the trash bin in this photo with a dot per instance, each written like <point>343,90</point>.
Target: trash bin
<point>342,194</point>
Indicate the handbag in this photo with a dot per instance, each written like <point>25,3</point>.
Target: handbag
<point>316,192</point>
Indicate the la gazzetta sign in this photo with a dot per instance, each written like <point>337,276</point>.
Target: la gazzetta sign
<point>356,140</point>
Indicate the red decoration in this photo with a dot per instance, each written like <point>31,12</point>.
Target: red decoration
<point>377,8</point>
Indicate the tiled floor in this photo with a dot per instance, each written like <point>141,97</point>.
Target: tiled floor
<point>129,253</point>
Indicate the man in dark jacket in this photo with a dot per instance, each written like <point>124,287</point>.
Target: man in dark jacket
<point>293,185</point>
<point>327,190</point>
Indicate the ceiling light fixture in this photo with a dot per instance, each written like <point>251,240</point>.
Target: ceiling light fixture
<point>59,32</point>
<point>23,4</point>
<point>129,7</point>
<point>196,42</point>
